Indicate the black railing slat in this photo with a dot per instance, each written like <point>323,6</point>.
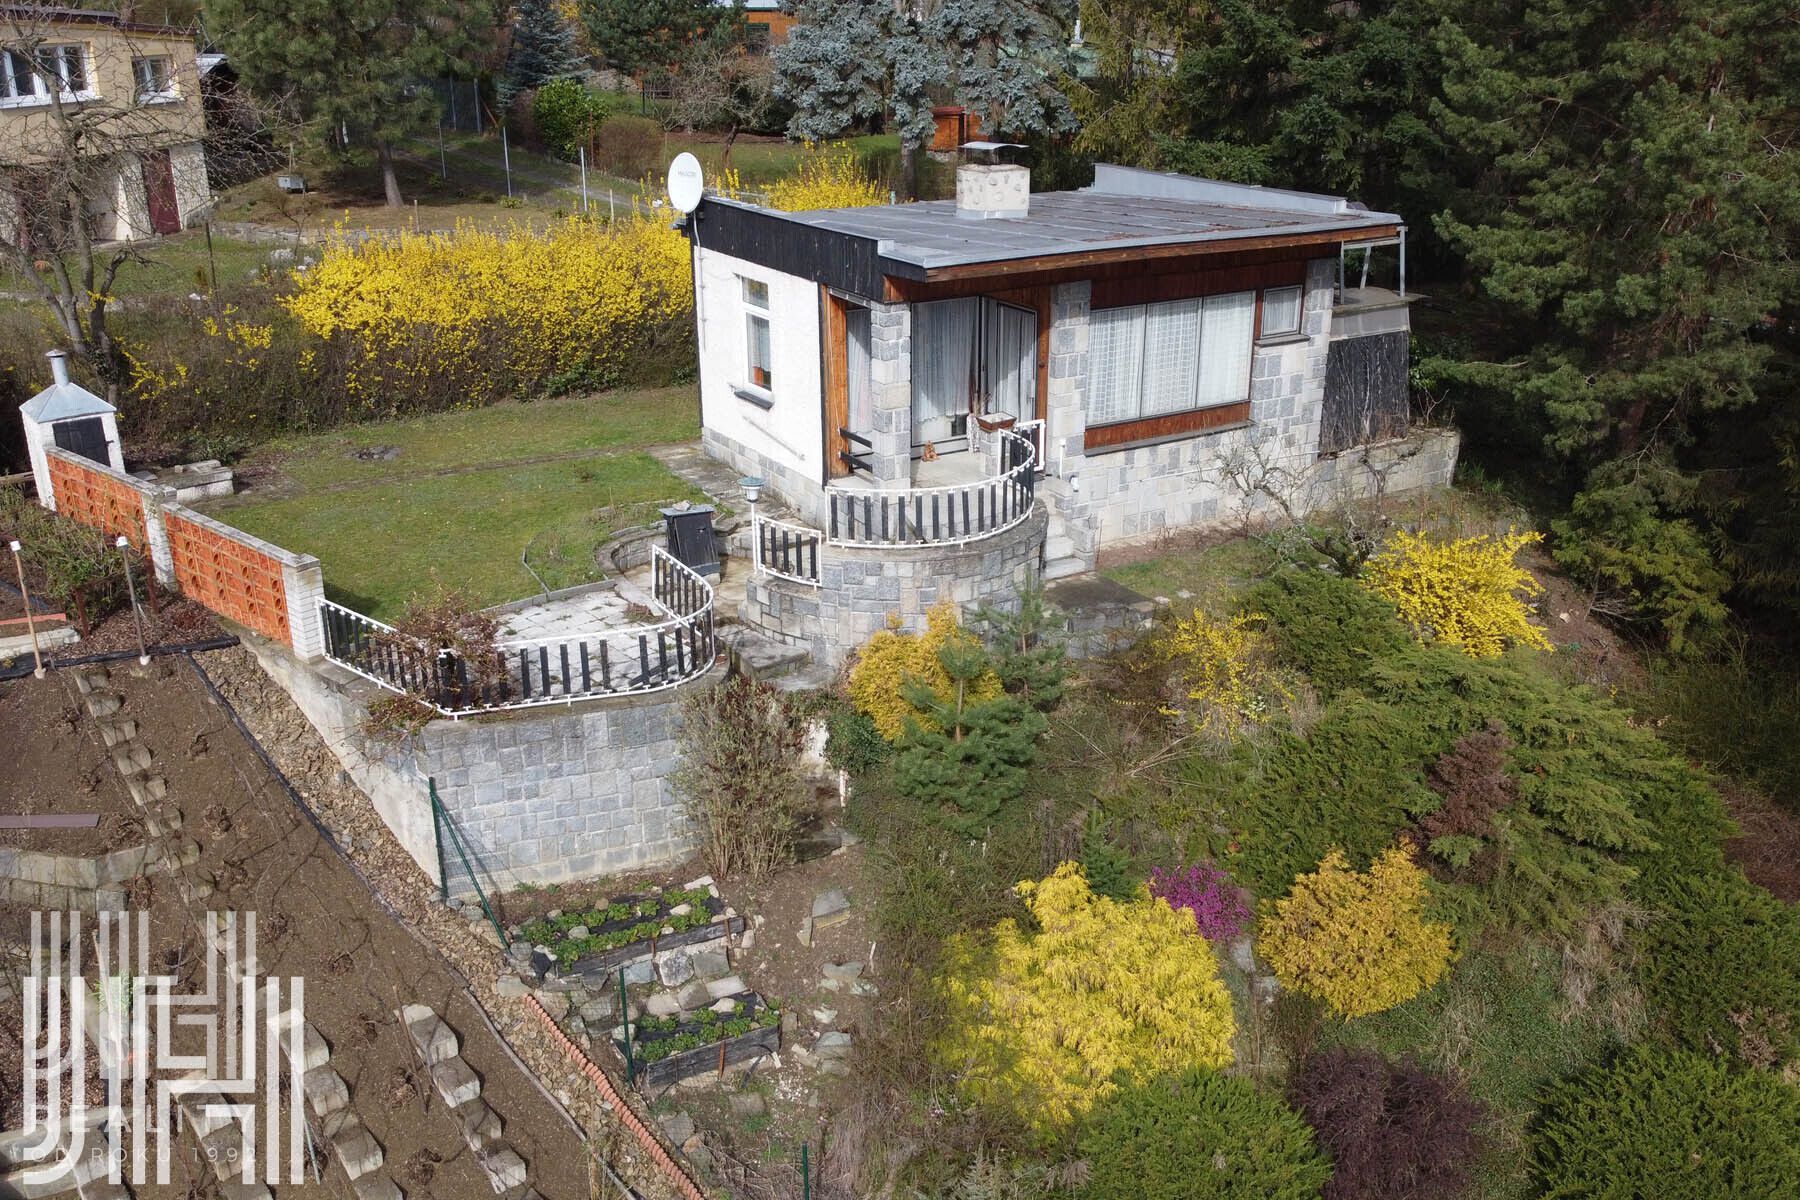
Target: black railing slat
<point>525,674</point>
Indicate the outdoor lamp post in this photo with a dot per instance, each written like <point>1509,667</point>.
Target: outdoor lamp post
<point>753,486</point>
<point>137,619</point>
<point>37,656</point>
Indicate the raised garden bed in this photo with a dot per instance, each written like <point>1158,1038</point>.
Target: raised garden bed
<point>665,1050</point>
<point>623,922</point>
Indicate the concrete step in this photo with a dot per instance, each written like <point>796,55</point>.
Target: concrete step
<point>1058,545</point>
<point>1063,568</point>
<point>761,657</point>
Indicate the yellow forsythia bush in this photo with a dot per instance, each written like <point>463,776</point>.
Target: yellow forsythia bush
<point>498,310</point>
<point>892,657</point>
<point>1222,669</point>
<point>1038,1023</point>
<point>1468,593</point>
<point>1358,942</point>
<point>829,178</point>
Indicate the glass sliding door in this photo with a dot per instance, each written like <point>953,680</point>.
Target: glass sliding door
<point>970,355</point>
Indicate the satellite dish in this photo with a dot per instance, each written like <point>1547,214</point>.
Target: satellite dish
<point>686,182</point>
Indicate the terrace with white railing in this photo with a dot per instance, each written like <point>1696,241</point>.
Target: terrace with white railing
<point>999,493</point>
<point>612,659</point>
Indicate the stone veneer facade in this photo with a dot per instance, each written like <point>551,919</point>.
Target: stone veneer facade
<point>860,589</point>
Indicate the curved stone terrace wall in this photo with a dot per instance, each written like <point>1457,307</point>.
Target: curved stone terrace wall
<point>861,586</point>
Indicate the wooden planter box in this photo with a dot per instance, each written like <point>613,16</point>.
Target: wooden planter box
<point>701,1059</point>
<point>599,967</point>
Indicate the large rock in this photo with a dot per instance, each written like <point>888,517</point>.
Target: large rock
<point>675,969</point>
<point>642,971</point>
<point>662,1004</point>
<point>711,964</point>
<point>843,972</point>
<point>731,985</point>
<point>678,1127</point>
<point>829,908</point>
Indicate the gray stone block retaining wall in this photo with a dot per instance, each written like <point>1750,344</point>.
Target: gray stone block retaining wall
<point>542,795</point>
<point>66,881</point>
<point>860,588</point>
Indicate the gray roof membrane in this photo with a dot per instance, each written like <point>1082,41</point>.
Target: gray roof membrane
<point>1125,208</point>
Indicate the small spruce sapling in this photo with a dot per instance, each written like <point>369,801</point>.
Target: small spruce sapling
<point>974,760</point>
<point>1029,650</point>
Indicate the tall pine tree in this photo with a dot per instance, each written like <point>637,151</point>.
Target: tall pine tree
<point>362,67</point>
<point>1632,206</point>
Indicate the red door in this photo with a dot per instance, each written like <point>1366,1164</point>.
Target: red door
<point>159,189</point>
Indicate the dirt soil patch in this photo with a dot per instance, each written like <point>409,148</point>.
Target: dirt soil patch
<point>1768,842</point>
<point>55,762</point>
<point>317,921</point>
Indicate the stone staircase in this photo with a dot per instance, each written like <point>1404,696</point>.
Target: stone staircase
<point>1060,556</point>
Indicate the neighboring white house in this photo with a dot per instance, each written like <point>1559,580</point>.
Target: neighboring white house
<point>956,397</point>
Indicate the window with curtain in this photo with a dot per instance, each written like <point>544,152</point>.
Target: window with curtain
<point>1150,360</point>
<point>856,353</point>
<point>1281,311</point>
<point>756,334</point>
<point>943,346</point>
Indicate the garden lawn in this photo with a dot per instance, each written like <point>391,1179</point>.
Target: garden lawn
<point>176,265</point>
<point>502,433</point>
<point>385,542</point>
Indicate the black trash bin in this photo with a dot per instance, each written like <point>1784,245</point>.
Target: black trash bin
<point>690,534</point>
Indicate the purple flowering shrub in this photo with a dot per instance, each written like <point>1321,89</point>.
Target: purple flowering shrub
<point>1215,901</point>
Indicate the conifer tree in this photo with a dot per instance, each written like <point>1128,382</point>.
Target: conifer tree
<point>543,48</point>
<point>355,67</point>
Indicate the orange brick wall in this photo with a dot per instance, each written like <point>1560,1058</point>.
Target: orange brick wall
<point>97,499</point>
<point>232,579</point>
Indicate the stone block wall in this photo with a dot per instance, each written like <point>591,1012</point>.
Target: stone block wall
<point>860,588</point>
<point>541,795</point>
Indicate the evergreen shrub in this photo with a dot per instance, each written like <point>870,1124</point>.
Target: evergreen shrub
<point>1041,1024</point>
<point>1672,1124</point>
<point>1198,1135</point>
<point>1359,943</point>
<point>1394,1131</point>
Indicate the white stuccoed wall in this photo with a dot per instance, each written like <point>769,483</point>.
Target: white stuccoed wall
<point>784,443</point>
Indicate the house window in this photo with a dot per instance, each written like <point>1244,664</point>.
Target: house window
<point>756,334</point>
<point>1281,311</point>
<point>1157,360</point>
<point>27,76</point>
<point>756,40</point>
<point>155,77</point>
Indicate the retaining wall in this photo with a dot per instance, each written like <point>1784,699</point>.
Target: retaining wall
<point>65,881</point>
<point>540,795</point>
<point>860,588</point>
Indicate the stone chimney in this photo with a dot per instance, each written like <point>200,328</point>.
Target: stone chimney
<point>992,191</point>
<point>59,365</point>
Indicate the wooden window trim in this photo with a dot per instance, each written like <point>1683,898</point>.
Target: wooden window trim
<point>1197,420</point>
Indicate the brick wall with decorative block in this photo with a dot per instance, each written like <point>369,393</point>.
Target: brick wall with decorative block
<point>98,496</point>
<point>232,573</point>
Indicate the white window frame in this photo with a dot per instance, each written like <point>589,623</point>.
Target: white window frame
<point>758,312</point>
<point>1144,358</point>
<point>58,53</point>
<point>147,95</point>
<point>1298,293</point>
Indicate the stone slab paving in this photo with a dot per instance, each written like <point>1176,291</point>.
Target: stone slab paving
<point>567,618</point>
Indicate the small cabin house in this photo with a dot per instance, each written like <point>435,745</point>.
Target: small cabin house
<point>949,399</point>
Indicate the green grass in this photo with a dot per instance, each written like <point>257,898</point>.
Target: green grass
<point>383,543</point>
<point>1501,1022</point>
<point>501,433</point>
<point>1216,575</point>
<point>761,163</point>
<point>173,266</point>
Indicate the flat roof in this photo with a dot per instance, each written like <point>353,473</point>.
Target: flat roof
<point>1127,208</point>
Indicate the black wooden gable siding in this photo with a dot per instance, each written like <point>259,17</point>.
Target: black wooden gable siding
<point>840,260</point>
<point>1367,391</point>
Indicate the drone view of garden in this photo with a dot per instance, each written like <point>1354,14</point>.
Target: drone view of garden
<point>403,550</point>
